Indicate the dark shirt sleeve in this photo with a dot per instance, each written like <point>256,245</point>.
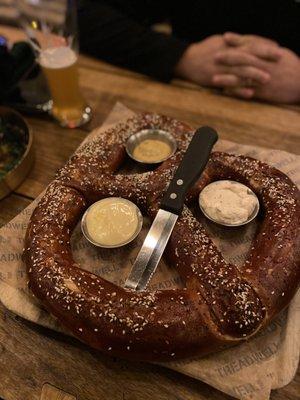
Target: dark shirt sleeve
<point>109,34</point>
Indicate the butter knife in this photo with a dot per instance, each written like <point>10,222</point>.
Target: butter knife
<point>188,171</point>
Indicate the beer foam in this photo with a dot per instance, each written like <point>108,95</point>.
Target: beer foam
<point>57,57</point>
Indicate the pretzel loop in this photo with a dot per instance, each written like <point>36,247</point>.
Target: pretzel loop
<point>220,304</point>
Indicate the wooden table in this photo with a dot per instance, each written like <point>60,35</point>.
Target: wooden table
<point>31,356</point>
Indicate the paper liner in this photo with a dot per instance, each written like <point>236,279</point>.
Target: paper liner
<point>247,371</point>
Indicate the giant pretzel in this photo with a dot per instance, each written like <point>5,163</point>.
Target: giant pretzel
<point>220,305</point>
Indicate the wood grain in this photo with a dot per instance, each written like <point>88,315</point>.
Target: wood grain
<point>13,34</point>
<point>10,207</point>
<point>31,356</point>
<point>243,122</point>
<point>50,392</point>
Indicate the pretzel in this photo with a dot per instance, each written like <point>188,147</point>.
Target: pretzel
<point>220,305</point>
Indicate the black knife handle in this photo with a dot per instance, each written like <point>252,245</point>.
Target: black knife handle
<point>190,168</point>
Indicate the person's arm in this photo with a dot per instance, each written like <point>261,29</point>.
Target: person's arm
<point>111,35</point>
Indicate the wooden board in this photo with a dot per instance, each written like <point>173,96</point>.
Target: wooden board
<point>50,392</point>
<point>31,356</point>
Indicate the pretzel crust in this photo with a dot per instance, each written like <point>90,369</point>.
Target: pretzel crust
<point>220,305</point>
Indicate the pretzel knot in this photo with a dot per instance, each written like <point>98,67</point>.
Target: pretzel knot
<point>220,305</point>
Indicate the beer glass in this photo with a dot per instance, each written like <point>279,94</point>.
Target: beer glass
<point>52,30</point>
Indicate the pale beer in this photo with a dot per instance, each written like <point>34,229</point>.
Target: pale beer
<point>60,67</point>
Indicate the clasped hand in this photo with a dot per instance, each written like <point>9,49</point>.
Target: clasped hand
<point>246,66</point>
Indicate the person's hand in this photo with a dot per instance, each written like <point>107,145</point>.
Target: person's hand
<point>245,51</point>
<point>284,85</point>
<point>282,64</point>
<point>198,64</point>
<point>264,48</point>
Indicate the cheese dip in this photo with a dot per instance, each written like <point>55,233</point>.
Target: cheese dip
<point>112,222</point>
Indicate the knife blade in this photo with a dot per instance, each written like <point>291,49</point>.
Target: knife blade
<point>188,171</point>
